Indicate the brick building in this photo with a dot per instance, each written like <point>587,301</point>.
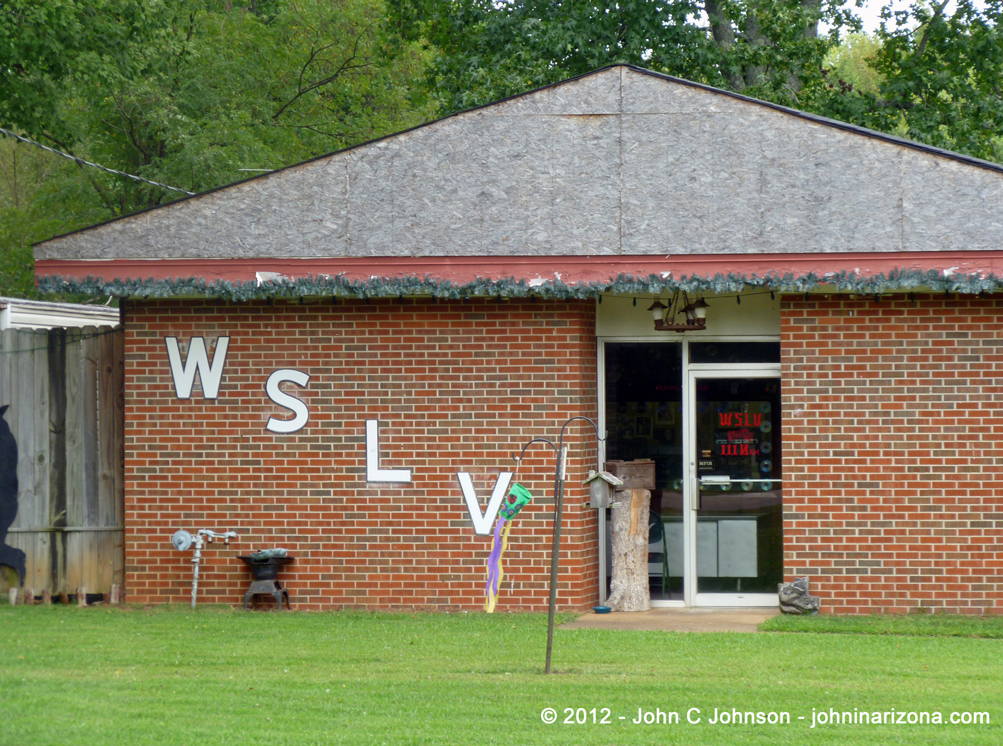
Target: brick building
<point>313,356</point>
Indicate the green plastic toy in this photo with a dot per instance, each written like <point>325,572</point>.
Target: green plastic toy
<point>518,498</point>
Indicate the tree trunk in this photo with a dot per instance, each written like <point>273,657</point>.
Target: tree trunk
<point>629,531</point>
<point>724,37</point>
<point>754,74</point>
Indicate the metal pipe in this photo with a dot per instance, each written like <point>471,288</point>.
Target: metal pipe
<point>196,560</point>
<point>201,536</point>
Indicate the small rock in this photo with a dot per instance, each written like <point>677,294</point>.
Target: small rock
<point>795,599</point>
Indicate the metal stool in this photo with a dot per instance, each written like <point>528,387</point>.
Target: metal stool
<point>264,572</point>
<point>271,587</point>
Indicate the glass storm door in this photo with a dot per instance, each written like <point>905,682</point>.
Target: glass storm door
<point>735,516</point>
<point>644,420</point>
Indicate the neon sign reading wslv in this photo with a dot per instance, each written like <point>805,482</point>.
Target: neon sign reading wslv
<point>210,374</point>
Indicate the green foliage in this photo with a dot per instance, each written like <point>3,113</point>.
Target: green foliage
<point>34,188</point>
<point>764,48</point>
<point>192,93</point>
<point>46,44</point>
<point>945,76</point>
<point>851,62</point>
<point>938,79</point>
<point>197,94</point>
<point>17,276</point>
<point>927,75</point>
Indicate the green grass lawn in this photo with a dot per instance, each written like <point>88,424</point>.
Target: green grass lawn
<point>170,676</point>
<point>912,624</point>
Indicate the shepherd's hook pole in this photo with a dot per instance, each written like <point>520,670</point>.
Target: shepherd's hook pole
<point>555,550</point>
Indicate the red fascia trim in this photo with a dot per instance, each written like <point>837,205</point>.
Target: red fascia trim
<point>571,270</point>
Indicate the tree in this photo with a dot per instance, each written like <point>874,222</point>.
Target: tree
<point>195,93</point>
<point>927,75</point>
<point>851,62</point>
<point>939,79</point>
<point>23,171</point>
<point>765,48</point>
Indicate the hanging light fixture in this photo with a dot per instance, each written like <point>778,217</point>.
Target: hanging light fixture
<point>658,310</point>
<point>695,314</point>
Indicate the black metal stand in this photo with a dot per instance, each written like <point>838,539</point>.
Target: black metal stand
<point>264,572</point>
<point>555,549</point>
<point>271,587</point>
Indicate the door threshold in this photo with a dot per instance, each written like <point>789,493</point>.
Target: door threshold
<point>737,600</point>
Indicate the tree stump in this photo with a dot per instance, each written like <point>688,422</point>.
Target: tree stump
<point>629,534</point>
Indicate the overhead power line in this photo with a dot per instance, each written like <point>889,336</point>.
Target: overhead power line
<point>82,162</point>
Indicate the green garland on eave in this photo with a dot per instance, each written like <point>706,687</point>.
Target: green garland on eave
<point>393,287</point>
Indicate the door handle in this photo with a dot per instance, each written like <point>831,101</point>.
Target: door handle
<point>712,480</point>
<point>696,494</point>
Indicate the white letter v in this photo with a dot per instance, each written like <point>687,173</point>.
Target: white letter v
<point>482,521</point>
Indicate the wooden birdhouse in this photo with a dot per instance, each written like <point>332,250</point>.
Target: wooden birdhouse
<point>602,485</point>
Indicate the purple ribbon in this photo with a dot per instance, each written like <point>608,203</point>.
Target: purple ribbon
<point>494,559</point>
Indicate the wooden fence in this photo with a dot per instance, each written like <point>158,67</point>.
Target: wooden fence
<point>64,388</point>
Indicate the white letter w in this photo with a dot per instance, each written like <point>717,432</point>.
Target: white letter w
<point>210,374</point>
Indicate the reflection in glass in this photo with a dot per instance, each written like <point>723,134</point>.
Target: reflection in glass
<point>739,533</point>
<point>734,352</point>
<point>644,420</point>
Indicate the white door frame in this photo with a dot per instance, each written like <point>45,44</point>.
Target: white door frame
<point>690,485</point>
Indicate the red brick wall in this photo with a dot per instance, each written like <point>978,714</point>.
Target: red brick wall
<point>892,452</point>
<point>456,386</point>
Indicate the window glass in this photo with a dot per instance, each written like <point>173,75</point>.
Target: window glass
<point>734,352</point>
